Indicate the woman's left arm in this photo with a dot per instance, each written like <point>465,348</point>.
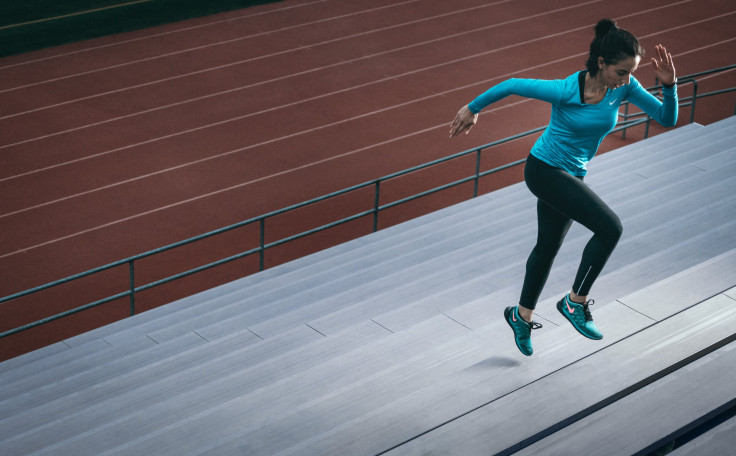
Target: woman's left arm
<point>664,112</point>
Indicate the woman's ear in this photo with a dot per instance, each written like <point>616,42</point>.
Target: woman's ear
<point>601,62</point>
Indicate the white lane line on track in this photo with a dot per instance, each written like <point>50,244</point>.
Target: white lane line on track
<point>222,154</point>
<point>283,78</point>
<point>243,184</point>
<point>282,107</point>
<point>158,35</point>
<point>338,156</point>
<point>183,51</point>
<point>239,62</point>
<point>270,109</point>
<point>78,13</point>
<point>258,83</point>
<point>307,165</point>
<point>243,149</point>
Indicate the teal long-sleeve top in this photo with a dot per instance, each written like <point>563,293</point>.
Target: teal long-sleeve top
<point>576,129</point>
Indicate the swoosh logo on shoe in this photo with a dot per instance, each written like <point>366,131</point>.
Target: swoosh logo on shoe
<point>569,309</point>
<point>513,316</point>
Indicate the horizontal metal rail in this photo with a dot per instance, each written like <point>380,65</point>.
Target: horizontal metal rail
<point>629,120</point>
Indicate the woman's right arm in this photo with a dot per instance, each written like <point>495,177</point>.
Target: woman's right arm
<point>546,90</point>
<point>464,121</point>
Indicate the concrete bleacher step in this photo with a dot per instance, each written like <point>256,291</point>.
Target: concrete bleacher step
<point>236,324</point>
<point>652,143</point>
<point>351,284</point>
<point>245,319</point>
<point>350,294</point>
<point>720,439</point>
<point>692,134</point>
<point>465,302</point>
<point>437,277</point>
<point>94,337</point>
<point>264,280</point>
<point>194,312</point>
<point>644,241</point>
<point>265,290</point>
<point>279,385</point>
<point>26,391</point>
<point>469,399</point>
<point>652,416</point>
<point>365,335</point>
<point>191,302</point>
<point>658,146</point>
<point>90,360</point>
<point>470,413</point>
<point>240,408</point>
<point>706,278</point>
<point>172,408</point>
<point>160,384</point>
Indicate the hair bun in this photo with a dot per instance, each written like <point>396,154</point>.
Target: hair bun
<point>604,26</point>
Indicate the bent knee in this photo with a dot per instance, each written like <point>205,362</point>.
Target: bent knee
<point>614,230</point>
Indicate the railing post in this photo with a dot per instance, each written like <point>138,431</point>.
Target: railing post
<point>626,117</point>
<point>376,205</point>
<point>477,173</point>
<point>131,270</point>
<point>262,243</point>
<point>695,97</point>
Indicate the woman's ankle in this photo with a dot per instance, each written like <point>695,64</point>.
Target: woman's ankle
<point>526,314</point>
<point>576,298</point>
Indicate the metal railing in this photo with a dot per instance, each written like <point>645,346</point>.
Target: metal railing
<point>628,121</point>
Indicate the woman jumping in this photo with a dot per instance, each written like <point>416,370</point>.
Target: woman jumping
<point>584,110</point>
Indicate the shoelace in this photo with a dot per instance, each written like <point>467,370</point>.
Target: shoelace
<point>532,325</point>
<point>586,310</point>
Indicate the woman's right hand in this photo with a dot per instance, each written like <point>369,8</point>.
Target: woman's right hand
<point>464,121</point>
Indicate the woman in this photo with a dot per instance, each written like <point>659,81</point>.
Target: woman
<point>584,110</point>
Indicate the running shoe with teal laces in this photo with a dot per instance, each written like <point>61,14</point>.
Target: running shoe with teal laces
<point>522,329</point>
<point>580,317</point>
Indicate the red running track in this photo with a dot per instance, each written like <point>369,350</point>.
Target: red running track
<point>123,144</point>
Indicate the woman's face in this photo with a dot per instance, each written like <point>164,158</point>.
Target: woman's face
<point>617,74</point>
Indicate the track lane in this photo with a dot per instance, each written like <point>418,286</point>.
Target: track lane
<point>178,117</point>
<point>275,67</point>
<point>98,54</point>
<point>238,173</point>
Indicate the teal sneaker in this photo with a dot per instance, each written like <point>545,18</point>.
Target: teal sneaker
<point>522,329</point>
<point>580,317</point>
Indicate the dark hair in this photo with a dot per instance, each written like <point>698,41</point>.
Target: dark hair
<point>613,44</point>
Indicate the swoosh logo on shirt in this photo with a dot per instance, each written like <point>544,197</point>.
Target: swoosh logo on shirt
<point>612,102</point>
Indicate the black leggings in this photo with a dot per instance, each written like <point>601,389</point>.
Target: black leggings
<point>562,199</point>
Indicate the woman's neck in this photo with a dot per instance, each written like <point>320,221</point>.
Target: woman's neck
<point>594,90</point>
<point>594,84</point>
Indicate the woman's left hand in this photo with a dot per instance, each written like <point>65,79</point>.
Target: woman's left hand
<point>664,67</point>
